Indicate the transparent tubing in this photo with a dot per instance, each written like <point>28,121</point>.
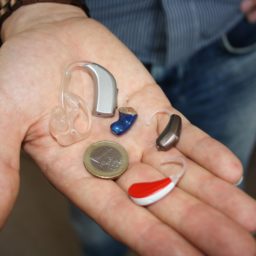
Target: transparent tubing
<point>71,120</point>
<point>176,176</point>
<point>163,111</point>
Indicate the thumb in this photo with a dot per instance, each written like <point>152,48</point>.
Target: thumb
<point>10,143</point>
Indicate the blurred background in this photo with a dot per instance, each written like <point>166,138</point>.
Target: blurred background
<point>39,224</point>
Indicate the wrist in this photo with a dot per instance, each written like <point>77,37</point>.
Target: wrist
<point>35,15</point>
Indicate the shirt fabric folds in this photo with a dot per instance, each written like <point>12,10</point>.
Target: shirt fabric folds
<point>165,32</point>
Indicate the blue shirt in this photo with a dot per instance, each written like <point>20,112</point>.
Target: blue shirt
<point>165,32</point>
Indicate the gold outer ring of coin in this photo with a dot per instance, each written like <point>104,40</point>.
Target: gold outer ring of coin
<point>103,174</point>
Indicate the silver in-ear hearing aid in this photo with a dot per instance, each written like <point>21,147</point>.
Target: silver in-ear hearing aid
<point>71,121</point>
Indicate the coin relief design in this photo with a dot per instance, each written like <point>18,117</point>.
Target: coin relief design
<point>106,159</point>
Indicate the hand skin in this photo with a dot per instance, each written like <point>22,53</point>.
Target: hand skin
<point>248,7</point>
<point>205,213</point>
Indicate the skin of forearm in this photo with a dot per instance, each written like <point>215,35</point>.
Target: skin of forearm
<point>34,15</point>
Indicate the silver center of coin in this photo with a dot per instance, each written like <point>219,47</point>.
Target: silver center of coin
<point>105,158</point>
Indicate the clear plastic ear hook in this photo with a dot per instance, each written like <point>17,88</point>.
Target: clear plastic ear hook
<point>71,121</point>
<point>146,193</point>
<point>161,111</point>
<point>176,174</point>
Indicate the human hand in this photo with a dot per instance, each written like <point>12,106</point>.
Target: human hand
<point>249,9</point>
<point>204,214</point>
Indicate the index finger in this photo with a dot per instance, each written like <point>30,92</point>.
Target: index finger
<point>193,143</point>
<point>205,150</point>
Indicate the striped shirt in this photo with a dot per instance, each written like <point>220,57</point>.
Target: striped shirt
<point>165,32</point>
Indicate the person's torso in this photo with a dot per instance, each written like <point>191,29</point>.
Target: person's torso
<point>166,31</point>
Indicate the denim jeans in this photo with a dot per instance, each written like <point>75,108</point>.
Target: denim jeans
<point>216,90</point>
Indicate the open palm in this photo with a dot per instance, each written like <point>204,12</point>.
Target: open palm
<point>205,214</point>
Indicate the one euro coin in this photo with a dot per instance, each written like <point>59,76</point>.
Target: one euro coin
<point>106,159</point>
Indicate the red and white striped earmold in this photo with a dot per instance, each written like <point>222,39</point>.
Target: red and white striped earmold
<point>146,193</point>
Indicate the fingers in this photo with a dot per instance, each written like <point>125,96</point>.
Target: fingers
<point>206,151</point>
<point>194,143</point>
<point>178,218</point>
<point>210,189</point>
<point>108,204</point>
<point>249,8</point>
<point>193,219</point>
<point>133,225</point>
<point>209,153</point>
<point>9,163</point>
<point>201,224</point>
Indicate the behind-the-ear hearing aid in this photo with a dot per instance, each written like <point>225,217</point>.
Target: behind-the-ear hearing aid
<point>146,193</point>
<point>171,133</point>
<point>71,121</point>
<point>105,96</point>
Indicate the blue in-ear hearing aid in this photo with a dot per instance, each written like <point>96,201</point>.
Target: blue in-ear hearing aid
<point>127,117</point>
